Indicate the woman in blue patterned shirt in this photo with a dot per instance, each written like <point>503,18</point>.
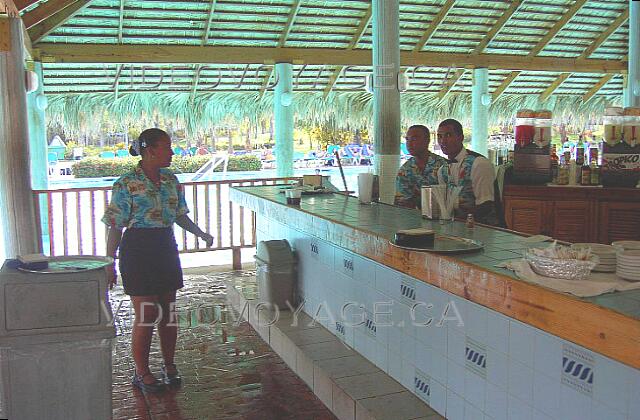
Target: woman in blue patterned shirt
<point>145,203</point>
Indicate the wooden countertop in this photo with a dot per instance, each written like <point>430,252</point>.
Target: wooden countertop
<point>577,192</point>
<point>607,324</point>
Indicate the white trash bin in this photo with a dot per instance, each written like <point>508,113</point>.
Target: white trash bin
<point>276,273</point>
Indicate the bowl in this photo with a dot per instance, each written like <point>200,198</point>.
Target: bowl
<point>559,268</point>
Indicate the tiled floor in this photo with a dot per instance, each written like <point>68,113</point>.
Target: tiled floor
<point>228,371</point>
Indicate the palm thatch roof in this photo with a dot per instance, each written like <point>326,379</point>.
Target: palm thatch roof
<point>553,53</point>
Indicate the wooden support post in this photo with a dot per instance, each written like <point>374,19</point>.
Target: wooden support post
<point>237,257</point>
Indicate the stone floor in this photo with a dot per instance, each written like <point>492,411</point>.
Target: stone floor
<point>228,371</point>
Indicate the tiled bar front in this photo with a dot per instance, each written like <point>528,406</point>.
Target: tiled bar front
<point>489,366</point>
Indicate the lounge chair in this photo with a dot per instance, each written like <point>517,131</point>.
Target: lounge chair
<point>107,155</point>
<point>366,155</point>
<point>122,153</point>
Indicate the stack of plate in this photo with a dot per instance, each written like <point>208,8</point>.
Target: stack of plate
<point>606,254</point>
<point>627,244</point>
<point>629,264</point>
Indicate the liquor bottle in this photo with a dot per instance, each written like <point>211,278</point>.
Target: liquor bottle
<point>580,152</point>
<point>563,172</point>
<point>595,171</point>
<point>554,165</point>
<point>585,172</point>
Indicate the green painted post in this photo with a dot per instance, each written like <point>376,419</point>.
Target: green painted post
<point>480,101</point>
<point>283,113</point>
<point>632,91</point>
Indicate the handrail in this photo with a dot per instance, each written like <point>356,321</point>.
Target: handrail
<point>70,218</point>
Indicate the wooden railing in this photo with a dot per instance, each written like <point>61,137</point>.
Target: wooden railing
<point>70,219</point>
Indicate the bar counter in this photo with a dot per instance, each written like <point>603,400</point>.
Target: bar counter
<point>596,333</point>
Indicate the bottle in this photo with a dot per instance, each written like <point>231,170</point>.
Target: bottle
<point>585,174</point>
<point>554,165</point>
<point>563,172</point>
<point>470,221</point>
<point>595,171</point>
<point>580,152</point>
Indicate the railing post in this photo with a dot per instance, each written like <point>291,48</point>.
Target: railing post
<point>237,257</point>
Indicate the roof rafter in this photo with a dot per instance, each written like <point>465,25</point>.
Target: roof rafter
<point>553,86</point>
<point>497,26</point>
<point>557,27</point>
<point>207,27</point>
<point>449,83</point>
<point>504,85</point>
<point>120,21</point>
<point>50,24</point>
<point>23,4</point>
<point>44,11</point>
<point>606,34</point>
<point>362,27</point>
<point>295,7</point>
<point>603,81</point>
<point>175,54</point>
<point>433,26</point>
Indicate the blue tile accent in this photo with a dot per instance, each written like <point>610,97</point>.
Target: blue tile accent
<point>422,385</point>
<point>407,291</point>
<point>340,328</point>
<point>577,369</point>
<point>476,357</point>
<point>370,325</point>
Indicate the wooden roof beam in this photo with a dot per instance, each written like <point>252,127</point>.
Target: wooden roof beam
<point>176,54</point>
<point>362,27</point>
<point>265,82</point>
<point>606,34</point>
<point>504,85</point>
<point>553,86</point>
<point>449,83</point>
<point>207,27</point>
<point>120,21</point>
<point>504,18</point>
<point>50,24</point>
<point>23,4</point>
<point>44,11</point>
<point>295,7</point>
<point>433,26</point>
<point>603,81</point>
<point>557,27</point>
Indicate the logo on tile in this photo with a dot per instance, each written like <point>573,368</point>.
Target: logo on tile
<point>476,357</point>
<point>315,249</point>
<point>340,328</point>
<point>370,326</point>
<point>347,265</point>
<point>408,291</point>
<point>422,385</point>
<point>577,369</point>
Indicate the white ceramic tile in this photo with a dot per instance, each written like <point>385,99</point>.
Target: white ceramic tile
<point>455,377</point>
<point>520,381</point>
<point>439,366</point>
<point>364,344</point>
<point>456,313</point>
<point>496,402</point>
<point>380,356</point>
<point>408,374</point>
<point>472,412</point>
<point>456,346</point>
<point>601,411</point>
<point>518,410</point>
<point>521,343</point>
<point>538,415</point>
<point>548,355</point>
<point>385,279</point>
<point>394,365</point>
<point>476,322</point>
<point>364,270</point>
<point>423,358</point>
<point>634,399</point>
<point>612,383</point>
<point>546,394</point>
<point>433,335</point>
<point>497,368</point>
<point>574,405</point>
<point>474,389</point>
<point>455,406</point>
<point>438,400</point>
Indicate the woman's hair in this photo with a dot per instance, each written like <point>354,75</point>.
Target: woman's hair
<point>148,137</point>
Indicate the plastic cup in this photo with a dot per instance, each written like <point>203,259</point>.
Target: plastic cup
<point>293,196</point>
<point>365,187</point>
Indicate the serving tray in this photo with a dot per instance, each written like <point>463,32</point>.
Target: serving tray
<point>72,264</point>
<point>445,244</point>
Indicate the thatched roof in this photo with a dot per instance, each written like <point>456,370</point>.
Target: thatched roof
<point>560,51</point>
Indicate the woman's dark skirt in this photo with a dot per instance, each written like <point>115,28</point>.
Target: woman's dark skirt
<point>149,262</point>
